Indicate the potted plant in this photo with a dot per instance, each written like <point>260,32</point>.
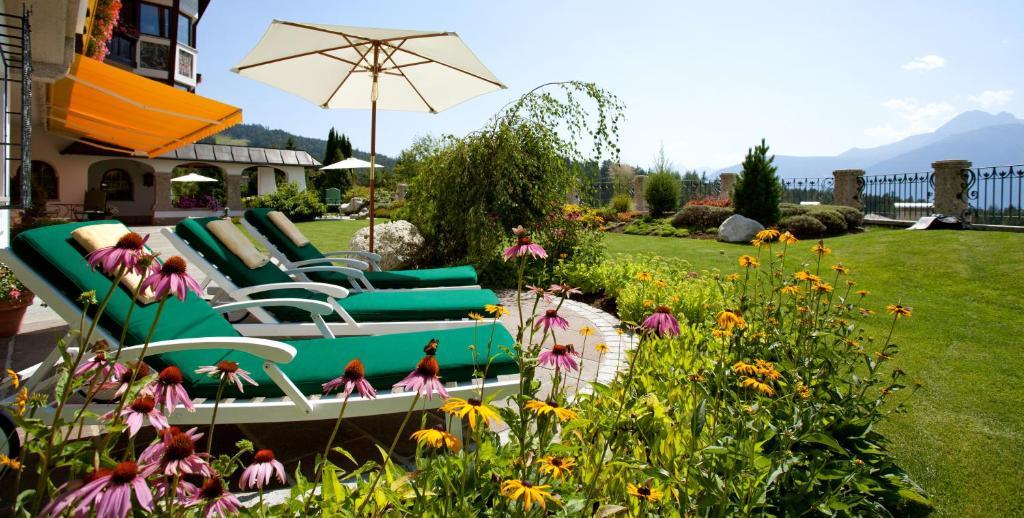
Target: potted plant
<point>15,299</point>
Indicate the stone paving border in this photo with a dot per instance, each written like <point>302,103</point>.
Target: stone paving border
<point>614,360</point>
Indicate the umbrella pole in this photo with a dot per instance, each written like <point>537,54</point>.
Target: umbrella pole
<point>373,166</point>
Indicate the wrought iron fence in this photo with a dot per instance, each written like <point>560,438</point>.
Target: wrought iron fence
<point>603,192</point>
<point>699,189</point>
<point>994,194</point>
<point>900,196</point>
<point>796,190</point>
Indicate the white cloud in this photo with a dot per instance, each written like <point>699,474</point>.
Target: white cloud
<point>917,117</point>
<point>991,98</point>
<point>929,62</point>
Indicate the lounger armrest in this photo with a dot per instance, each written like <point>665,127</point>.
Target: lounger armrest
<point>353,263</point>
<point>356,277</point>
<point>330,290</point>
<point>372,258</point>
<point>314,307</point>
<point>269,350</point>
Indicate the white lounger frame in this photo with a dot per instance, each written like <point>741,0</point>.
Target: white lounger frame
<point>270,326</point>
<point>293,406</point>
<point>354,269</point>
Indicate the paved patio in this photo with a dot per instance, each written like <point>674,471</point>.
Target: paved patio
<point>296,443</point>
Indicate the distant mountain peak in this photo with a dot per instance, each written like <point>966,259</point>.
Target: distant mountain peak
<point>975,119</point>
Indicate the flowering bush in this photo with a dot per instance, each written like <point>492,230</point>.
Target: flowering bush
<point>711,201</point>
<point>755,392</point>
<point>103,23</point>
<point>198,201</point>
<point>12,291</point>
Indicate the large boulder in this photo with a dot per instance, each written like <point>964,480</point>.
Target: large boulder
<point>738,229</point>
<point>399,243</point>
<point>353,206</point>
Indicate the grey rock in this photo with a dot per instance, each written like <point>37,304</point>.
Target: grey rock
<point>399,243</point>
<point>738,229</point>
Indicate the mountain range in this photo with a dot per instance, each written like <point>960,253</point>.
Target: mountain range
<point>983,138</point>
<point>258,135</point>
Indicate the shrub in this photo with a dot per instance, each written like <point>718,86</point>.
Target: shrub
<point>712,201</point>
<point>835,223</point>
<point>662,193</point>
<point>622,203</point>
<point>298,206</point>
<point>854,217</point>
<point>758,192</point>
<point>792,209</point>
<point>701,216</point>
<point>803,226</point>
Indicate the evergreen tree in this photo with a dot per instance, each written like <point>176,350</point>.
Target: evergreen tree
<point>290,144</point>
<point>758,192</point>
<point>332,143</point>
<point>346,146</point>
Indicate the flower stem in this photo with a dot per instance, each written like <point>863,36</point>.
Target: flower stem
<point>327,451</point>
<point>391,449</point>
<point>213,418</point>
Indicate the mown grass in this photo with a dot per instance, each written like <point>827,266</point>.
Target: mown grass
<point>963,437</point>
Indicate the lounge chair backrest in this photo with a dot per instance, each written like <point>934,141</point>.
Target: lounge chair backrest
<point>258,218</point>
<point>194,233</point>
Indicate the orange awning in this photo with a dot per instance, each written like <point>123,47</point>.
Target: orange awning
<point>105,104</point>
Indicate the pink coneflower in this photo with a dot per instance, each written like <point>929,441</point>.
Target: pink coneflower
<point>99,363</point>
<point>425,378</point>
<point>172,278</point>
<point>168,390</point>
<point>263,467</point>
<point>541,293</point>
<point>216,500</point>
<point>564,290</point>
<point>144,407</point>
<point>123,376</point>
<point>551,319</point>
<point>354,378</point>
<point>559,356</point>
<point>155,451</point>
<point>110,494</point>
<point>524,246</point>
<point>180,457</point>
<point>183,491</point>
<point>662,323</point>
<point>126,254</point>
<point>68,492</point>
<point>229,369</point>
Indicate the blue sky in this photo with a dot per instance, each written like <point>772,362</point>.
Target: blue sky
<point>706,79</point>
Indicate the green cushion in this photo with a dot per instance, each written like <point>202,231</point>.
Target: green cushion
<point>387,359</point>
<point>381,306</point>
<point>426,278</point>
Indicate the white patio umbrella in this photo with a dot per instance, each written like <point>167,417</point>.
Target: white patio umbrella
<point>351,163</point>
<point>193,177</point>
<point>335,66</point>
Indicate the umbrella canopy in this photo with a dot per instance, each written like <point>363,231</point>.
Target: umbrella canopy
<point>336,66</point>
<point>193,177</point>
<point>351,163</point>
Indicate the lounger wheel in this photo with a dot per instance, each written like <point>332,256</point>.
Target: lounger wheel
<point>10,442</point>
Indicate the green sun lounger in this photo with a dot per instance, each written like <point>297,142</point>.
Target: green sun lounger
<point>404,309</point>
<point>191,334</point>
<point>291,256</point>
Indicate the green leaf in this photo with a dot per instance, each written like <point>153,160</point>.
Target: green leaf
<point>609,510</point>
<point>825,440</point>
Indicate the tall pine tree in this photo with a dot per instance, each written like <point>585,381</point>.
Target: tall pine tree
<point>332,143</point>
<point>758,192</point>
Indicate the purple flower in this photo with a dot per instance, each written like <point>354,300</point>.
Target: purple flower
<point>216,500</point>
<point>354,378</point>
<point>425,378</point>
<point>123,376</point>
<point>259,473</point>
<point>564,290</point>
<point>109,493</point>
<point>155,451</point>
<point>230,369</point>
<point>168,390</point>
<point>662,323</point>
<point>102,368</point>
<point>560,356</point>
<point>182,492</point>
<point>180,457</point>
<point>541,293</point>
<point>523,246</point>
<point>551,319</point>
<point>144,407</point>
<point>126,254</point>
<point>172,278</point>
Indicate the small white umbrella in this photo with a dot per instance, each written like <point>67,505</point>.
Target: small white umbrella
<point>193,177</point>
<point>351,163</point>
<point>335,66</point>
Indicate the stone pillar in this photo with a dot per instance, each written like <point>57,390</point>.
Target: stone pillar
<point>728,182</point>
<point>297,176</point>
<point>847,187</point>
<point>951,187</point>
<point>265,181</point>
<point>233,188</point>
<point>639,202</point>
<point>162,191</point>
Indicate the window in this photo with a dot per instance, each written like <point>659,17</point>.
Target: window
<point>185,31</point>
<point>185,66</point>
<point>122,50</point>
<point>153,55</point>
<point>117,183</point>
<point>153,20</point>
<point>44,181</point>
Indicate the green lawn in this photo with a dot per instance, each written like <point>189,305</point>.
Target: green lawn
<point>963,439</point>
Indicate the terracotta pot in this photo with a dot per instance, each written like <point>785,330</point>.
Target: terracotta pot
<point>12,312</point>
